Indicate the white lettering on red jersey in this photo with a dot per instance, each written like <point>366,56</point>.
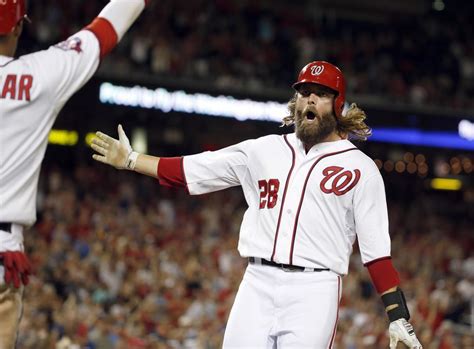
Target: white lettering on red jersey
<point>303,209</point>
<point>33,89</point>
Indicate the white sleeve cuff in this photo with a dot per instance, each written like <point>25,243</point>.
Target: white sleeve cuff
<point>11,241</point>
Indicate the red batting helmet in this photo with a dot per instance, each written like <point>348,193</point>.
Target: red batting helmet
<point>11,12</point>
<point>326,74</point>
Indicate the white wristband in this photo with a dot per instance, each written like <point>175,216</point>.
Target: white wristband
<point>131,161</point>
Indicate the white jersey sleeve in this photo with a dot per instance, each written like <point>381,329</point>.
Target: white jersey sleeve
<point>64,68</point>
<point>371,219</point>
<point>211,171</point>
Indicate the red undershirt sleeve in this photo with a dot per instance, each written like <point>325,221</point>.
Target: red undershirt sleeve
<point>171,172</point>
<point>383,274</point>
<point>105,33</point>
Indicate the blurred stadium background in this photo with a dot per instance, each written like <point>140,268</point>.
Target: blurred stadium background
<point>122,263</point>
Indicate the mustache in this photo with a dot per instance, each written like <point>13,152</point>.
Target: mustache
<point>309,112</point>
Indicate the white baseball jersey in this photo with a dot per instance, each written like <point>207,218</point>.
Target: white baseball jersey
<point>304,209</point>
<point>33,89</point>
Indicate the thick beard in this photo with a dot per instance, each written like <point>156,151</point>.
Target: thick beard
<point>311,134</point>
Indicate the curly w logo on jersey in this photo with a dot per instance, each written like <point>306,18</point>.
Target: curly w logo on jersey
<point>338,181</point>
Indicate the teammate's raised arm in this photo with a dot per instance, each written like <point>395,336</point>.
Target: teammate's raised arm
<point>33,90</point>
<point>114,21</point>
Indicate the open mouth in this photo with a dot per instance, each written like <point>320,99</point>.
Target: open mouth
<point>310,115</point>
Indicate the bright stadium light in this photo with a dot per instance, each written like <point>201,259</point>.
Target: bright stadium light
<point>446,184</point>
<point>466,130</point>
<point>63,137</point>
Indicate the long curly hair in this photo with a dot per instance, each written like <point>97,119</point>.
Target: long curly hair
<point>351,124</point>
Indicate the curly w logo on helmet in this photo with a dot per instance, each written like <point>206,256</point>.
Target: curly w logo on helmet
<point>317,69</point>
<point>342,181</point>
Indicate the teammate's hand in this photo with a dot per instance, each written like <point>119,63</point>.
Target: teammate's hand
<point>17,267</point>
<point>402,330</point>
<point>117,153</point>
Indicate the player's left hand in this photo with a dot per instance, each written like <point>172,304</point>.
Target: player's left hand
<point>17,267</point>
<point>114,152</point>
<point>402,330</point>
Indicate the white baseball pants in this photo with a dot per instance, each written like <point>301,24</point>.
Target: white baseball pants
<point>10,314</point>
<point>275,308</point>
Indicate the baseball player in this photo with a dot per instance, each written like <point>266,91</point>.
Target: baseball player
<point>33,89</point>
<point>309,195</point>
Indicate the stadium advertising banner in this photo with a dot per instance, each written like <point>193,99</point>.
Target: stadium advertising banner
<point>445,132</point>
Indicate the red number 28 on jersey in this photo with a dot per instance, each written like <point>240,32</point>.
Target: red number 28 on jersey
<point>268,192</point>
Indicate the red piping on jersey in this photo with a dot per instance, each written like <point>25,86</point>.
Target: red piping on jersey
<point>105,33</point>
<point>337,313</point>
<point>383,274</point>
<point>170,172</point>
<point>302,195</point>
<point>284,195</point>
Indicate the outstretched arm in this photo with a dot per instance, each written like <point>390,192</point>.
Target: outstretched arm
<point>119,154</point>
<point>201,173</point>
<point>113,22</point>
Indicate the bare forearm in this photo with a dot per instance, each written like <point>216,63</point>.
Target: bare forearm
<point>147,165</point>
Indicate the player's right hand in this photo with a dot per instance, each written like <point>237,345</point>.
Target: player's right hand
<point>114,152</point>
<point>402,331</point>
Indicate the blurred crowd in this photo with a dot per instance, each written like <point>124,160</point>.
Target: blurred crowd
<point>256,45</point>
<point>120,262</point>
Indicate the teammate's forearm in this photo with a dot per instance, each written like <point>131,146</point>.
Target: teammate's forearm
<point>113,22</point>
<point>147,165</point>
<point>122,14</point>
